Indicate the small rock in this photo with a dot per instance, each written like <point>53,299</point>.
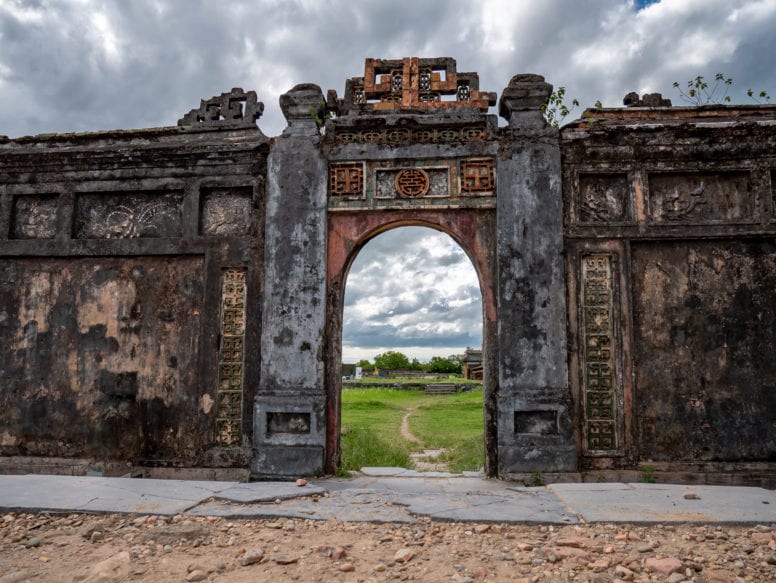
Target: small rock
<point>644,547</point>
<point>289,525</point>
<point>762,537</point>
<point>762,528</point>
<point>675,578</point>
<point>379,567</point>
<point>285,560</point>
<point>33,542</point>
<point>403,555</point>
<point>458,578</point>
<point>664,566</point>
<point>275,525</point>
<point>771,559</point>
<point>481,528</point>
<point>691,496</point>
<point>337,553</point>
<point>252,557</point>
<point>97,536</point>
<point>301,482</point>
<point>623,572</point>
<point>113,568</point>
<point>196,575</point>
<point>347,567</point>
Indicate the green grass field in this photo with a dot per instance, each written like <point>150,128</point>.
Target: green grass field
<point>371,427</point>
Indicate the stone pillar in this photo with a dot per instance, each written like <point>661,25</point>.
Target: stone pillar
<point>535,430</point>
<point>289,412</point>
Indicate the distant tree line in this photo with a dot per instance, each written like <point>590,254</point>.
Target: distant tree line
<point>393,360</point>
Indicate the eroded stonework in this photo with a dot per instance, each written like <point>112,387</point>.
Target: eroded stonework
<point>171,298</point>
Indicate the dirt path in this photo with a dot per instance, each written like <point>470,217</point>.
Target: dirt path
<point>405,426</point>
<point>427,460</point>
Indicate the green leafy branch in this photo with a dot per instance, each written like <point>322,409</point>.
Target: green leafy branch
<point>556,110</point>
<point>699,92</point>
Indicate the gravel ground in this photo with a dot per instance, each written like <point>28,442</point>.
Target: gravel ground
<point>108,548</point>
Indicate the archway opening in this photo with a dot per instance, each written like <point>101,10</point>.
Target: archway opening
<point>412,390</point>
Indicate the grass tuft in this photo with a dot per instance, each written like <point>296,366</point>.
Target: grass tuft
<point>362,447</point>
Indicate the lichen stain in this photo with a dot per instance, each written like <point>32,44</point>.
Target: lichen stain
<point>41,293</point>
<point>206,403</point>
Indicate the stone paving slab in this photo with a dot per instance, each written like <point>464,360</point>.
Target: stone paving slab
<point>95,494</point>
<point>645,503</point>
<point>266,492</point>
<point>394,499</point>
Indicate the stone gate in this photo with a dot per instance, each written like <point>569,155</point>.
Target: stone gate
<point>173,297</point>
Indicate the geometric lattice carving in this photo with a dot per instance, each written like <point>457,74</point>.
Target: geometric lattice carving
<point>597,302</point>
<point>234,108</point>
<point>414,84</point>
<point>229,392</point>
<point>346,179</point>
<point>411,182</point>
<point>477,176</point>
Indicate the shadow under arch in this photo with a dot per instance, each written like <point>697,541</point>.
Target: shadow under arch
<point>474,231</point>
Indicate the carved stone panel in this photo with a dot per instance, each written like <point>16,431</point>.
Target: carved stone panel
<point>229,394</point>
<point>34,217</point>
<point>401,136</point>
<point>129,216</point>
<point>226,212</point>
<point>700,197</point>
<point>603,198</point>
<point>598,375</point>
<point>412,182</point>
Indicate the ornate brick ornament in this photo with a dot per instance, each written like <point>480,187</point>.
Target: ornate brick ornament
<point>346,179</point>
<point>397,137</point>
<point>236,107</point>
<point>598,378</point>
<point>477,176</point>
<point>413,83</point>
<point>411,182</point>
<point>229,392</point>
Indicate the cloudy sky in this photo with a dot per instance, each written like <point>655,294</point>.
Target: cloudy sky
<point>81,65</point>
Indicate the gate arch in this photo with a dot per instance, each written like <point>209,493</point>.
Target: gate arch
<point>412,142</point>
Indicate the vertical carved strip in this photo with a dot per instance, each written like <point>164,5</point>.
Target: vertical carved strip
<point>229,392</point>
<point>598,378</point>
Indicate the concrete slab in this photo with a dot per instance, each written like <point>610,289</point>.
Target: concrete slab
<point>645,503</point>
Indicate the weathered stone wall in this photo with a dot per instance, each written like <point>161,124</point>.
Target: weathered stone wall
<point>159,308</point>
<point>670,231</point>
<point>127,262</point>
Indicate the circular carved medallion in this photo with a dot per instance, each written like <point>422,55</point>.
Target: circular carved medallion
<point>411,182</point>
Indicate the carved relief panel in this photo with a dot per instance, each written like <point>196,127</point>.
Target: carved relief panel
<point>128,215</point>
<point>226,212</point>
<point>603,198</point>
<point>700,197</point>
<point>34,217</point>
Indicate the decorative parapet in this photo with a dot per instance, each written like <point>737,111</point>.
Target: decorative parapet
<point>237,108</point>
<point>522,100</point>
<point>411,84</point>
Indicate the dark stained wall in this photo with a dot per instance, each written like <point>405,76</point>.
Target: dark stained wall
<point>130,292</point>
<point>704,335</point>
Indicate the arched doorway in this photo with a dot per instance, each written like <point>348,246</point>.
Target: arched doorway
<point>412,311</point>
<point>348,234</point>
